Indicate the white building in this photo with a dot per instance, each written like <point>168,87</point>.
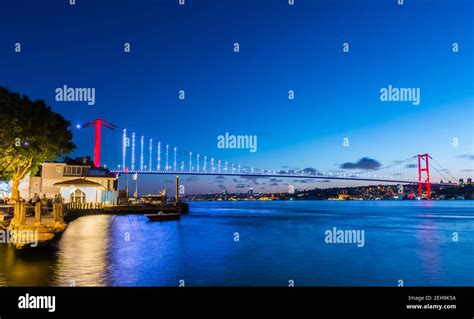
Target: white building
<point>75,183</point>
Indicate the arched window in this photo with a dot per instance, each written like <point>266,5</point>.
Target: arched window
<point>78,196</point>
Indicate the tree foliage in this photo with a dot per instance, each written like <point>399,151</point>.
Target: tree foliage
<point>30,133</point>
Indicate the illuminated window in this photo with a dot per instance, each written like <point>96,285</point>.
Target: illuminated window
<point>78,196</point>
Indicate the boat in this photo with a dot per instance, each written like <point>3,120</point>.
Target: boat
<point>155,199</point>
<point>160,216</point>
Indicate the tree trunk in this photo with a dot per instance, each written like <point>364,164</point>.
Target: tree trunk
<point>15,190</point>
<point>20,172</point>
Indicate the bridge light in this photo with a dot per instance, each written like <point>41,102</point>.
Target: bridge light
<point>190,161</point>
<point>150,149</point>
<point>133,151</point>
<point>166,157</point>
<point>174,158</point>
<point>142,141</point>
<point>197,163</point>
<point>158,165</point>
<point>124,146</point>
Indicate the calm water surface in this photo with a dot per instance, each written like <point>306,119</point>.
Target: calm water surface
<point>278,241</point>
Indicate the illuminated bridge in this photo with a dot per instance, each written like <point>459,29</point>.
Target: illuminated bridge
<point>142,155</point>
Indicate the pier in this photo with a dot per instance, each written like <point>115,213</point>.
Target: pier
<point>73,212</point>
<point>38,229</point>
<point>46,224</point>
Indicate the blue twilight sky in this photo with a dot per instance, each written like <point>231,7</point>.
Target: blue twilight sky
<point>282,48</point>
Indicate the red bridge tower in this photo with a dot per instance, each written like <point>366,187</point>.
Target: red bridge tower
<point>423,167</point>
<point>98,123</point>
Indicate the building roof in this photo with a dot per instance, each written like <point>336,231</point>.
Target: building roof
<point>78,182</point>
<point>99,172</point>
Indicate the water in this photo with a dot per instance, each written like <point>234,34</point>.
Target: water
<point>278,241</point>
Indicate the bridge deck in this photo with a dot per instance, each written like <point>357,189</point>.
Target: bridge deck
<point>353,178</point>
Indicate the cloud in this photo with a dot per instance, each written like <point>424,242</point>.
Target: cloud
<point>363,163</point>
<point>253,179</point>
<point>274,184</point>
<point>303,181</point>
<point>220,178</point>
<point>241,186</point>
<point>191,179</point>
<point>310,170</point>
<point>288,167</point>
<point>468,156</point>
<point>307,181</point>
<point>275,180</point>
<point>411,165</point>
<point>467,170</point>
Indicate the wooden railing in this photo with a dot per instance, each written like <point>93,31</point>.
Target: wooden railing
<point>20,214</point>
<point>83,206</point>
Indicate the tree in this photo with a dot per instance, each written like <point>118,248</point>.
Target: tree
<point>30,133</point>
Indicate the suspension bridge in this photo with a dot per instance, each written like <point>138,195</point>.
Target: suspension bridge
<point>142,155</point>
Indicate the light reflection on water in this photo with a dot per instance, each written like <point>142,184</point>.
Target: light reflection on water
<point>279,241</point>
<point>82,257</point>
